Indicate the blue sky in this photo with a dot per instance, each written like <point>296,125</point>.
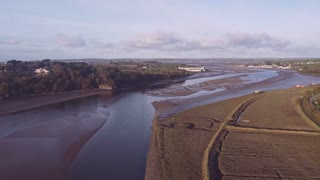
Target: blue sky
<point>38,29</point>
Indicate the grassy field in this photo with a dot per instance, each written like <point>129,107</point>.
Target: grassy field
<point>278,109</point>
<point>257,136</point>
<point>182,139</point>
<point>270,155</point>
<point>312,69</point>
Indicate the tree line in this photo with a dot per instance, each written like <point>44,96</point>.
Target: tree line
<point>18,78</point>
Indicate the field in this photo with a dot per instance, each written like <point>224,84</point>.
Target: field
<point>257,136</point>
<point>182,139</point>
<point>312,69</point>
<point>258,155</point>
<point>278,110</point>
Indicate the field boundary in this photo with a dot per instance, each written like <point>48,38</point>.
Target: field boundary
<point>270,130</point>
<point>303,101</point>
<point>230,117</point>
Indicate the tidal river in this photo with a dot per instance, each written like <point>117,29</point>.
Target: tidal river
<point>119,149</point>
<point>44,141</point>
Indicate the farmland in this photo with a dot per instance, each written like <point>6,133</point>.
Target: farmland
<point>278,110</point>
<point>258,155</point>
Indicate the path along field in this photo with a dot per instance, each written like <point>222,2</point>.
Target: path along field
<point>257,136</point>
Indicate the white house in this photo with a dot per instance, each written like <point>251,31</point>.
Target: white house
<point>192,69</point>
<point>41,71</point>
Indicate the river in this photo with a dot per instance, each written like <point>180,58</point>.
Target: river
<point>119,149</point>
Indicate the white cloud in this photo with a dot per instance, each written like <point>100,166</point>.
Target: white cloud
<point>9,41</point>
<point>102,45</point>
<point>69,41</point>
<point>159,44</point>
<point>156,40</point>
<point>260,40</point>
<point>170,41</point>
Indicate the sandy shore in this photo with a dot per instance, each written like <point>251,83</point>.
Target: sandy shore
<point>27,103</point>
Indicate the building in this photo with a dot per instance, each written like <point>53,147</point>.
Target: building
<point>41,71</point>
<point>192,69</point>
<point>105,87</point>
<point>299,86</point>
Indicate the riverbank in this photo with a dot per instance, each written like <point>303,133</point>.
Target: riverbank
<point>22,104</point>
<point>219,140</point>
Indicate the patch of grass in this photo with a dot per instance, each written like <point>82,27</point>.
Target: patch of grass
<point>278,109</point>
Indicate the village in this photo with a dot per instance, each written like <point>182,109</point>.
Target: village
<point>295,65</point>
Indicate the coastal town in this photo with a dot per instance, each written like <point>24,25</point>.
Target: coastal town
<point>286,65</point>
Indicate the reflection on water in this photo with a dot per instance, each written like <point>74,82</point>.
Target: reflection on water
<point>204,79</point>
<point>119,149</point>
<point>36,144</point>
<point>197,94</point>
<point>259,76</point>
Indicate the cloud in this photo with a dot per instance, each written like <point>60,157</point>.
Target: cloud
<point>159,44</point>
<point>9,41</point>
<point>102,45</point>
<point>156,40</point>
<point>261,40</point>
<point>68,41</point>
<point>170,41</point>
<point>164,41</point>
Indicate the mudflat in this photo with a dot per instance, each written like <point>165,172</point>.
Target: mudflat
<point>16,105</point>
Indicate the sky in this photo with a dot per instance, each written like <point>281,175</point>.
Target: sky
<point>67,29</point>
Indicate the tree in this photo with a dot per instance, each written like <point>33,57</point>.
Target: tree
<point>4,88</point>
<point>268,62</point>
